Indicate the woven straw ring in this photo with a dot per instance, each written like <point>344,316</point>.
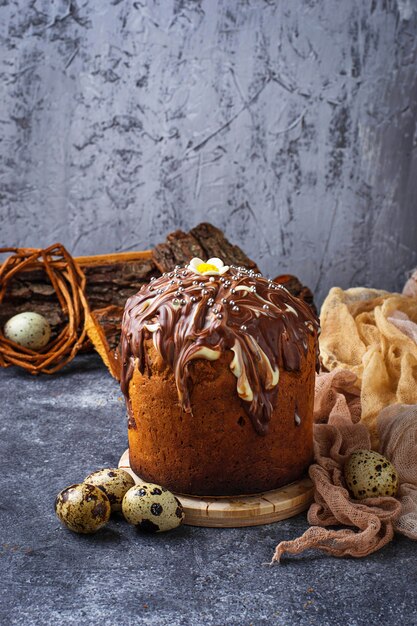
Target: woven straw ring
<point>69,283</point>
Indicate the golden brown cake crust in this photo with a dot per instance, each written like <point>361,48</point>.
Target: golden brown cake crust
<point>214,450</point>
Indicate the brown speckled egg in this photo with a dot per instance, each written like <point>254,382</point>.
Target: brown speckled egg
<point>30,330</point>
<point>83,508</point>
<point>368,474</point>
<point>114,482</point>
<point>151,508</point>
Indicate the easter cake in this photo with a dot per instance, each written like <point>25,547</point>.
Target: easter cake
<point>217,368</point>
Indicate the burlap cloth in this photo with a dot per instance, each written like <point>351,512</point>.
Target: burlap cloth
<point>368,399</point>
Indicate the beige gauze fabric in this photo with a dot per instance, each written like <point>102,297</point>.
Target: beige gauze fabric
<point>397,430</point>
<point>337,433</point>
<point>372,333</point>
<point>410,287</point>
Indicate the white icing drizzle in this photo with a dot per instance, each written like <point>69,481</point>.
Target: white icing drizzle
<point>242,288</point>
<point>238,368</point>
<point>289,308</point>
<point>271,374</point>
<point>152,327</point>
<point>206,353</point>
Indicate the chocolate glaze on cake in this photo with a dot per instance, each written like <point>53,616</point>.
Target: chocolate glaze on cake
<point>192,316</point>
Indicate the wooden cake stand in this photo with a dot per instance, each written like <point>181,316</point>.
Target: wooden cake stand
<point>235,511</point>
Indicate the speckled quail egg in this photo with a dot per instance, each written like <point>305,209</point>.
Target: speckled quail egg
<point>114,482</point>
<point>30,330</point>
<point>151,508</point>
<point>83,508</point>
<point>368,474</point>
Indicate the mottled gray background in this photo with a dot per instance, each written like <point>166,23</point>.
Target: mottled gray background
<point>289,124</point>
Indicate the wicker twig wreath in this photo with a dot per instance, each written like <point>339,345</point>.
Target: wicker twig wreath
<point>69,283</point>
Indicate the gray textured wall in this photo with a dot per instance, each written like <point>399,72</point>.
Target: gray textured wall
<point>290,124</point>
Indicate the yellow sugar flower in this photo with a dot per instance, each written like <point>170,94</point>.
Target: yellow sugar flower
<point>212,267</point>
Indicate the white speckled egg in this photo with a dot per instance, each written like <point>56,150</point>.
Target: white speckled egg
<point>83,508</point>
<point>368,474</point>
<point>114,482</point>
<point>151,508</point>
<point>30,330</point>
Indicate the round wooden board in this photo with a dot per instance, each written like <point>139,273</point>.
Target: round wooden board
<point>235,511</point>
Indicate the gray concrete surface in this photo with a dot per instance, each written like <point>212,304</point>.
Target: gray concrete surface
<point>54,431</point>
<point>291,125</point>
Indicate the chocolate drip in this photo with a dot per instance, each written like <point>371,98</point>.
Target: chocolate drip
<point>192,316</point>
